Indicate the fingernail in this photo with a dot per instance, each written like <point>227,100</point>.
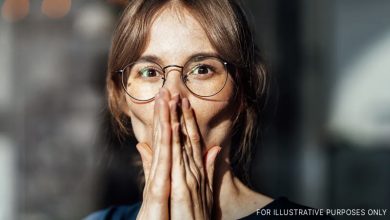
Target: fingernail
<point>157,96</point>
<point>185,103</point>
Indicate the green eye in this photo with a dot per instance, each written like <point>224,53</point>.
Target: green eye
<point>148,72</point>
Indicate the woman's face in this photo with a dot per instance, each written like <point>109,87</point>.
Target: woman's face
<point>174,37</point>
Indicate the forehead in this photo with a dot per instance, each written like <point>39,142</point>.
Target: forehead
<point>175,35</point>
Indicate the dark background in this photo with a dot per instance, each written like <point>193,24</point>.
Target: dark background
<point>326,144</point>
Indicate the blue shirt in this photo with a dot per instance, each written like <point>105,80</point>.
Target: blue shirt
<point>130,212</point>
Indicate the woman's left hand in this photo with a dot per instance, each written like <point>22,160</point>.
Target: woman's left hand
<point>191,175</point>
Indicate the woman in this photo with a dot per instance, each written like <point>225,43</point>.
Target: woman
<point>187,76</point>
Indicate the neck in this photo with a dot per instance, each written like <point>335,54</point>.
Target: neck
<point>232,199</point>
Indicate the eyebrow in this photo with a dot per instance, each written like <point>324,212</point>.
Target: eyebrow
<point>156,59</point>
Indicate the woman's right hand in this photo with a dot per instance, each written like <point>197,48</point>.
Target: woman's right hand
<point>157,163</point>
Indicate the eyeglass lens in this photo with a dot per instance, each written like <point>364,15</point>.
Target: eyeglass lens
<point>203,77</point>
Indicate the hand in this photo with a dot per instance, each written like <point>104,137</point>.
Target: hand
<point>191,177</point>
<point>157,168</point>
<point>190,184</point>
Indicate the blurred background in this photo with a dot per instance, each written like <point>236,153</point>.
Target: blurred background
<point>326,144</point>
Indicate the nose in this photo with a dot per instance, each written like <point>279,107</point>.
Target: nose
<point>173,81</point>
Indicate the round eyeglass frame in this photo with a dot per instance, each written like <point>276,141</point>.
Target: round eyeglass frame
<point>225,64</point>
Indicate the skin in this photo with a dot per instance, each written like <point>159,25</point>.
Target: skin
<point>191,179</point>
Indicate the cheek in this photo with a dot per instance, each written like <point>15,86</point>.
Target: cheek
<point>142,121</point>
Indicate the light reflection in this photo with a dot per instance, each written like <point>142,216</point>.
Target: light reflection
<point>360,107</point>
<point>15,10</point>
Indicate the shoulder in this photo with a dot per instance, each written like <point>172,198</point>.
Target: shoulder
<point>282,208</point>
<point>127,212</point>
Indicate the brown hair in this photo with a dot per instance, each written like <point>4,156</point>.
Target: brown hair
<point>228,31</point>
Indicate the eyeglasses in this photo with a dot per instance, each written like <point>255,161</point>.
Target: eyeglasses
<point>204,76</point>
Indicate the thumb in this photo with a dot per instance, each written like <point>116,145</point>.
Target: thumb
<point>211,156</point>
<point>146,157</point>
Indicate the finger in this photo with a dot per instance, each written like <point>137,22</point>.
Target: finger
<point>191,128</point>
<point>162,95</point>
<point>190,178</point>
<point>177,168</point>
<point>165,94</point>
<point>164,153</point>
<point>181,205</point>
<point>193,185</point>
<point>146,157</point>
<point>192,145</point>
<point>156,113</point>
<point>161,99</point>
<point>156,133</point>
<point>210,159</point>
